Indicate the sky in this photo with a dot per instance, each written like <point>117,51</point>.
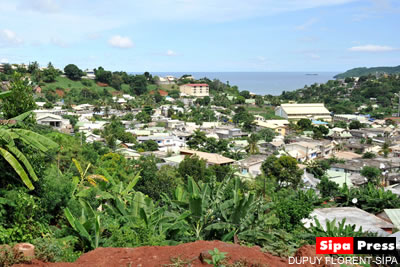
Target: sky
<point>202,35</point>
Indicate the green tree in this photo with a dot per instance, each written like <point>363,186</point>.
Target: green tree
<point>193,166</point>
<point>259,101</point>
<point>372,174</point>
<point>138,84</point>
<point>304,124</point>
<point>50,73</point>
<point>73,72</point>
<point>328,188</point>
<point>355,125</point>
<point>283,169</point>
<point>252,141</point>
<point>21,98</point>
<point>143,117</point>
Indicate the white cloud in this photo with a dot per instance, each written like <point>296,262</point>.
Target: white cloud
<point>372,48</point>
<point>171,53</point>
<point>42,6</point>
<point>9,38</point>
<point>306,25</point>
<point>120,42</point>
<point>4,60</point>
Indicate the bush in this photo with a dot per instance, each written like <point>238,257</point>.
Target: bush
<point>50,249</point>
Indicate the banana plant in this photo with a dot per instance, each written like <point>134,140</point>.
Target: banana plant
<point>83,177</point>
<point>11,153</point>
<point>340,229</point>
<point>5,94</point>
<point>87,226</point>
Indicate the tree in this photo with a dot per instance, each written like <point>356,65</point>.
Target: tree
<point>355,125</point>
<point>245,94</point>
<point>73,72</point>
<point>138,84</point>
<point>259,101</point>
<point>304,124</point>
<point>372,174</point>
<point>103,76</point>
<point>193,166</point>
<point>50,74</point>
<point>21,98</point>
<point>266,134</point>
<point>328,188</point>
<point>116,81</point>
<point>252,140</point>
<point>11,153</point>
<point>369,155</point>
<point>283,169</point>
<point>143,117</point>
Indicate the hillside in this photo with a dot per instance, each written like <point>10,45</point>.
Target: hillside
<point>357,72</point>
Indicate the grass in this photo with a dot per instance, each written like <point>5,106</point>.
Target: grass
<point>65,83</point>
<point>267,112</point>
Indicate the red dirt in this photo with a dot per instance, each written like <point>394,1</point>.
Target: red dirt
<point>102,84</point>
<point>188,254</point>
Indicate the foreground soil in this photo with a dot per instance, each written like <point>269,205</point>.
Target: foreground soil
<point>188,254</point>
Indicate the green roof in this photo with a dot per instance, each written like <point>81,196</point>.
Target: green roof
<point>340,178</point>
<point>394,216</point>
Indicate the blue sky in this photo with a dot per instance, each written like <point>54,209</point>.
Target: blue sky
<point>202,35</point>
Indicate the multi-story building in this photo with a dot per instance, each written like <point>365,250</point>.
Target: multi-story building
<point>195,89</point>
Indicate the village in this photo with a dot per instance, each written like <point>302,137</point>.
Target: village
<point>367,142</point>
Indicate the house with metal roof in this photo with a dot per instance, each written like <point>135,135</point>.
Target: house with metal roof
<point>353,216</point>
<point>316,111</point>
<point>211,158</point>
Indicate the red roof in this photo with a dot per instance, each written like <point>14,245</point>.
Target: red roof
<point>196,84</point>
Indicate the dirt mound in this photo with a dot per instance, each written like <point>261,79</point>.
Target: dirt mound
<point>181,255</point>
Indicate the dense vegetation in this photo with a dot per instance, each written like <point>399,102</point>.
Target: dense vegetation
<point>67,196</point>
<point>357,72</point>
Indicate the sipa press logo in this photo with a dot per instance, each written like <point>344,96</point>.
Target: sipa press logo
<point>356,245</point>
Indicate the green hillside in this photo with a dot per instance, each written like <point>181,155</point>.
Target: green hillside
<point>357,72</point>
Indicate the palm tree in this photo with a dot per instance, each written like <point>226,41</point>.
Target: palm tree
<point>10,152</point>
<point>252,147</point>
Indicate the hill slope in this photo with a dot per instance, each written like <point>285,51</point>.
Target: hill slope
<point>357,72</point>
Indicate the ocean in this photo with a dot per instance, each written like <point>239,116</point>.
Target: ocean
<point>262,83</point>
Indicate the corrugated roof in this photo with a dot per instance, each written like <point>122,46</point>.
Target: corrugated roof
<point>211,158</point>
<point>394,216</point>
<point>318,108</point>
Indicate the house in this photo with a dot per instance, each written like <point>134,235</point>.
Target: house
<point>128,153</point>
<point>230,133</point>
<point>210,158</point>
<point>306,150</point>
<point>279,126</point>
<point>356,165</point>
<point>392,216</point>
<point>1,67</point>
<point>54,121</point>
<point>251,166</point>
<point>353,216</point>
<point>89,74</point>
<point>195,89</point>
<point>165,142</point>
<point>303,111</point>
